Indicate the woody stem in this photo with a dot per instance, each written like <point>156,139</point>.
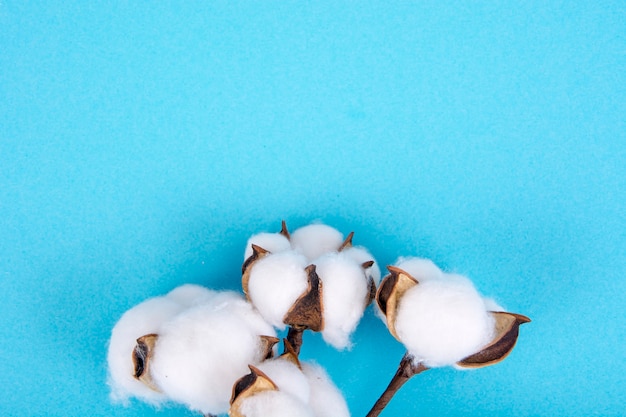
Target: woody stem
<point>294,336</point>
<point>406,370</point>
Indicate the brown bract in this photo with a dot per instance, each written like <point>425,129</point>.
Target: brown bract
<point>371,293</point>
<point>389,293</point>
<point>347,243</point>
<point>306,312</point>
<point>258,253</point>
<point>141,360</point>
<point>290,354</point>
<point>267,344</point>
<point>284,231</point>
<point>253,383</point>
<point>507,331</point>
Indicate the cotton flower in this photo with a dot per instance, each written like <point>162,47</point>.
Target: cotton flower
<point>144,318</point>
<point>442,320</point>
<point>188,346</point>
<point>202,351</point>
<point>439,317</point>
<point>322,283</point>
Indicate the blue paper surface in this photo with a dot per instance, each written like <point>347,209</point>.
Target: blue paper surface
<point>141,144</point>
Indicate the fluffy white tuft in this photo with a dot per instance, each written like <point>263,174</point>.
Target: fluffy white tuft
<point>188,295</point>
<point>276,282</point>
<point>144,318</point>
<point>272,242</point>
<point>344,292</point>
<point>326,399</point>
<point>492,305</point>
<point>202,351</point>
<point>419,268</point>
<point>316,239</point>
<point>362,255</point>
<point>287,377</point>
<point>441,321</point>
<point>275,404</point>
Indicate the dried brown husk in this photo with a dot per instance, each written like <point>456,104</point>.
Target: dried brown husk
<point>142,355</point>
<point>306,312</point>
<point>389,293</point>
<point>506,334</point>
<point>258,253</point>
<point>267,344</point>
<point>371,285</point>
<point>253,383</point>
<point>347,243</point>
<point>290,354</point>
<point>284,231</point>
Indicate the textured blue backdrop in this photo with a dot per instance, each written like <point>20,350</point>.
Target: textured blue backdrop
<point>141,143</point>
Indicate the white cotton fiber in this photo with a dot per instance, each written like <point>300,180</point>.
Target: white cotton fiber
<point>361,255</point>
<point>326,399</point>
<point>276,282</point>
<point>419,268</point>
<point>287,377</point>
<point>316,239</point>
<point>344,293</point>
<point>202,351</point>
<point>492,305</point>
<point>188,295</point>
<point>144,318</point>
<point>271,242</point>
<point>441,321</point>
<point>274,404</point>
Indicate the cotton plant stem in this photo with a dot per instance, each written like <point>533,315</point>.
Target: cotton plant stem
<point>406,370</point>
<point>294,336</point>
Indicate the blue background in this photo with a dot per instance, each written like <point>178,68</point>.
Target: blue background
<point>142,143</point>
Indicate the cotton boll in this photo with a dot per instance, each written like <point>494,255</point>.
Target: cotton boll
<point>345,291</point>
<point>287,377</point>
<point>443,321</point>
<point>144,318</point>
<point>272,242</point>
<point>316,239</point>
<point>326,399</point>
<point>200,353</point>
<point>276,281</point>
<point>275,404</point>
<point>419,268</point>
<point>361,255</point>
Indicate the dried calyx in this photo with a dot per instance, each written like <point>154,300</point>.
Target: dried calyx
<point>506,333</point>
<point>253,383</point>
<point>141,360</point>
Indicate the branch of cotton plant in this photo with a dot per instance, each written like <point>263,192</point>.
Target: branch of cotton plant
<point>406,370</point>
